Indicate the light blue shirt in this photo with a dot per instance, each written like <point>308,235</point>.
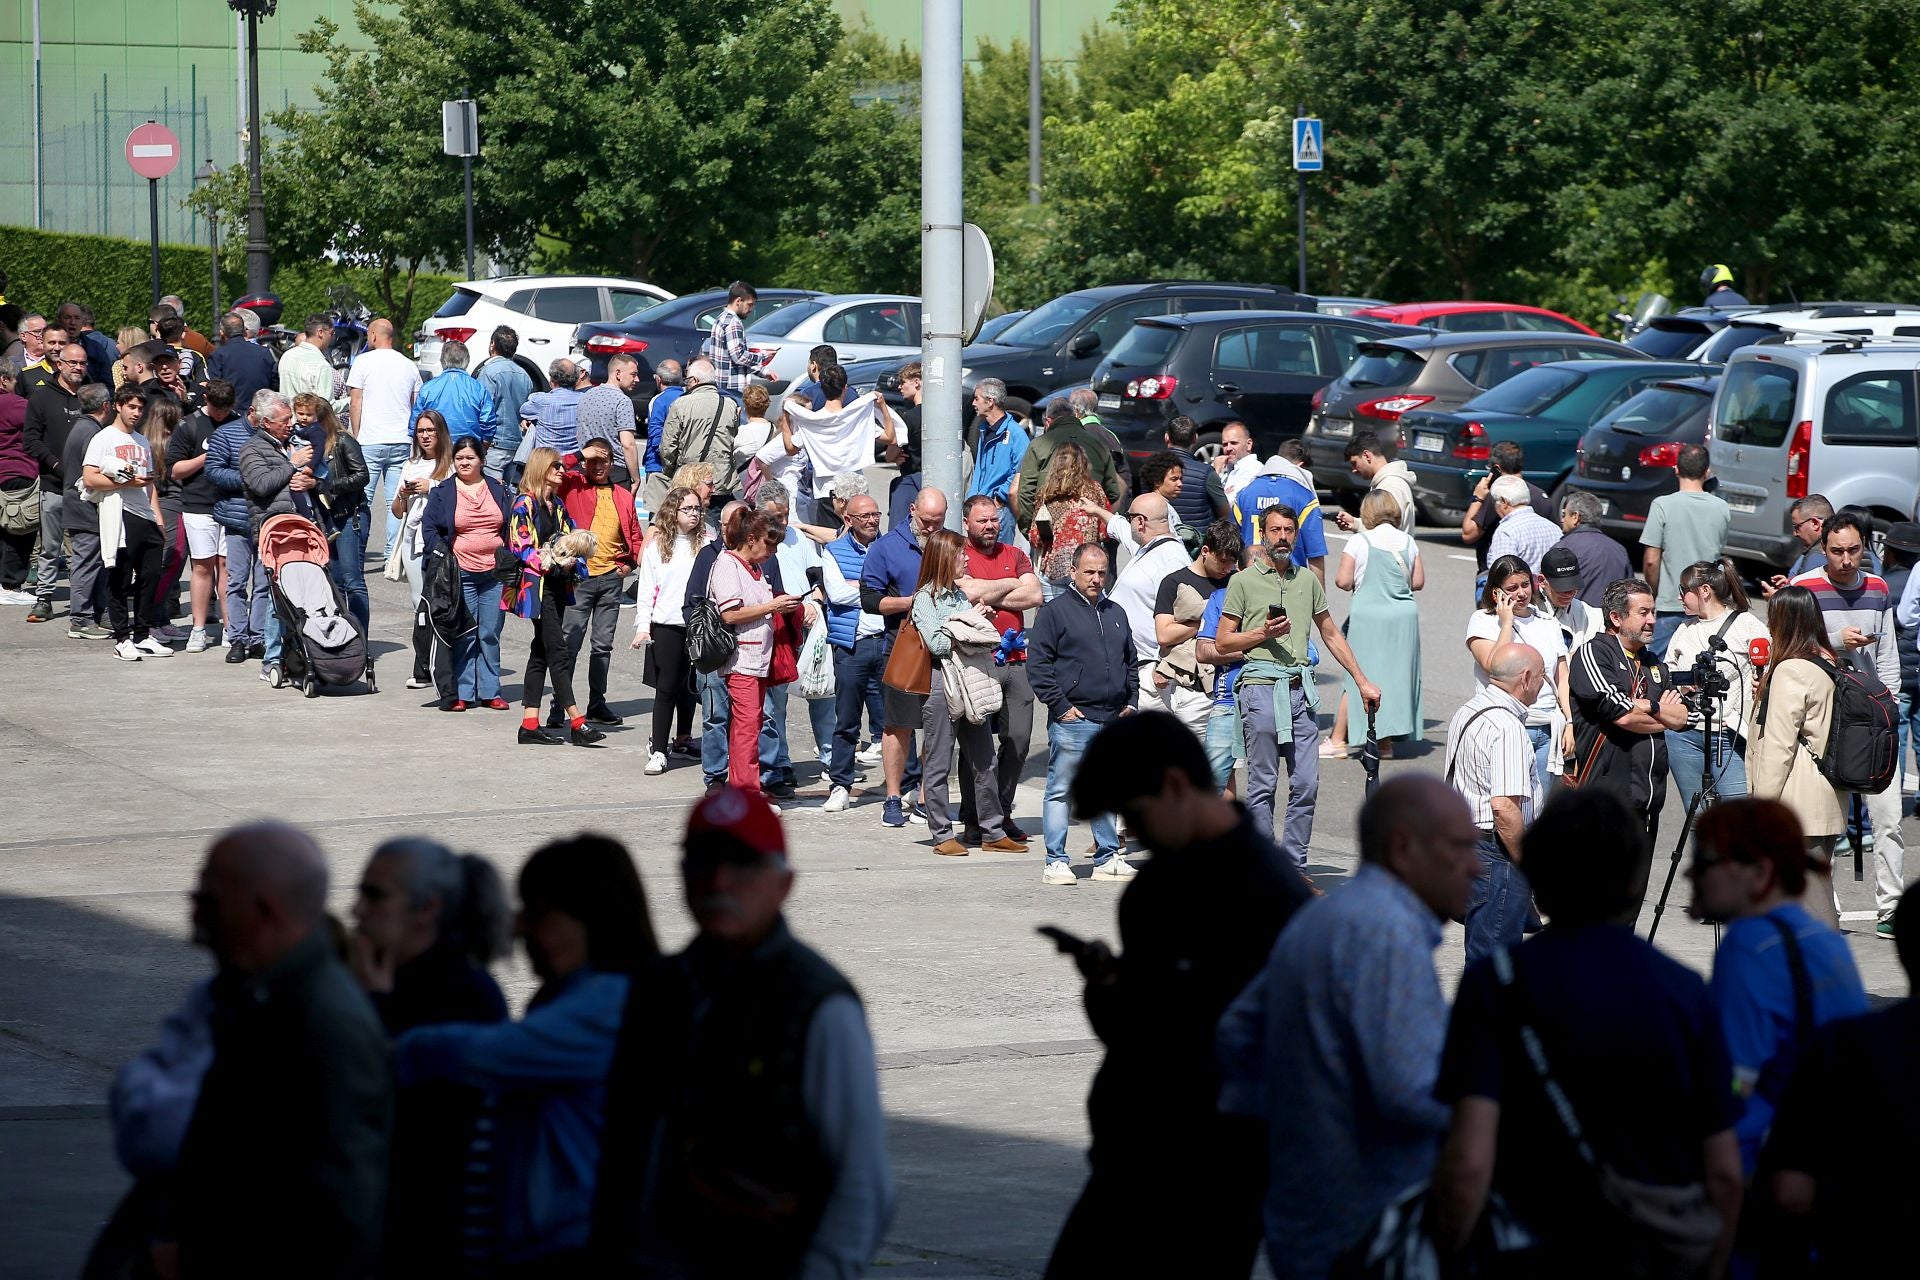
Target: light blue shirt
<point>996,458</point>
<point>509,385</point>
<point>1345,1080</point>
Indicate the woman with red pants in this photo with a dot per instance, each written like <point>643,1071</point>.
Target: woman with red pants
<point>748,605</point>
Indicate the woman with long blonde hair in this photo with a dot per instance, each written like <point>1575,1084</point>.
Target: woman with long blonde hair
<point>678,532</point>
<point>1069,511</point>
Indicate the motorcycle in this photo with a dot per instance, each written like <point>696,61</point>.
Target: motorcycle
<point>350,318</point>
<point>1642,315</point>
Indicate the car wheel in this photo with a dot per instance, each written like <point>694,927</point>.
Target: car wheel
<point>1207,447</point>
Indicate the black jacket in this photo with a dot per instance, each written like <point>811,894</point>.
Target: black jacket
<point>1603,680</point>
<point>1080,656</point>
<point>284,1166</point>
<point>248,366</point>
<point>51,411</point>
<point>344,492</point>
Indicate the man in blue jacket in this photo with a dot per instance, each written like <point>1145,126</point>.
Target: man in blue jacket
<point>1080,662</point>
<point>997,451</point>
<point>462,399</point>
<point>247,600</point>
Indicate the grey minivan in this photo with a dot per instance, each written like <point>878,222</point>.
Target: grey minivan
<point>1837,418</point>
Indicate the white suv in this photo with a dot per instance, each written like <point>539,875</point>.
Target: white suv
<point>543,310</point>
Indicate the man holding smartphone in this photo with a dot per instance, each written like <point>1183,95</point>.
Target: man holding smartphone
<point>1858,611</point>
<point>1269,612</point>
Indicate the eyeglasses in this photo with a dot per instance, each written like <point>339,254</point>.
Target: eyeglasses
<point>863,515</point>
<point>1806,520</point>
<point>691,508</point>
<point>72,364</point>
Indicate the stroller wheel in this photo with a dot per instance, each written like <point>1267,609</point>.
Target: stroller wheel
<point>311,688</point>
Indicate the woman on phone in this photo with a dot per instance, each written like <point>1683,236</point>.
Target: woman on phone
<point>748,605</point>
<point>1716,608</point>
<point>1795,709</point>
<point>1507,615</point>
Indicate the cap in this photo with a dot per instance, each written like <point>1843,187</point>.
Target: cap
<point>745,816</point>
<point>1561,568</point>
<point>1904,536</point>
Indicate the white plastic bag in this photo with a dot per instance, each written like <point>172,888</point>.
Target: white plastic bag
<point>816,664</point>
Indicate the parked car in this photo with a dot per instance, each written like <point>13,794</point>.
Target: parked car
<point>1335,306</point>
<point>1476,317</point>
<point>671,330</point>
<point>1216,367</point>
<point>1544,410</point>
<point>1061,342</point>
<point>991,330</point>
<point>1809,415</point>
<point>1435,371</point>
<point>1627,458</point>
<point>543,310</point>
<point>859,326</point>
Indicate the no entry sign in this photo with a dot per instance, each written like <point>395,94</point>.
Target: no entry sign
<point>153,151</point>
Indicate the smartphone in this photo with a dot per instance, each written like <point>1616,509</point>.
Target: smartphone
<point>1069,944</point>
<point>1275,611</point>
<point>1871,637</point>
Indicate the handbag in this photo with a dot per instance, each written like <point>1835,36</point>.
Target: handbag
<point>816,664</point>
<point>783,666</point>
<point>20,509</point>
<point>710,641</point>
<point>909,668</point>
<point>1399,1247</point>
<point>506,567</point>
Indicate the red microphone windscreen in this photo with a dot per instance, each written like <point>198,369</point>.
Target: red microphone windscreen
<point>1758,650</point>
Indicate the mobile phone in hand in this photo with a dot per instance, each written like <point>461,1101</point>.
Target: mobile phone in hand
<point>1069,944</point>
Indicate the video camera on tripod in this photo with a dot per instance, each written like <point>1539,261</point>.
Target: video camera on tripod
<point>1708,682</point>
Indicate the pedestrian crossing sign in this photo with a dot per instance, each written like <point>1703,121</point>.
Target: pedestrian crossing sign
<point>1308,154</point>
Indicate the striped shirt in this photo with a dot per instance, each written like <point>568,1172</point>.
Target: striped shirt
<point>1866,604</point>
<point>1524,533</point>
<point>1490,755</point>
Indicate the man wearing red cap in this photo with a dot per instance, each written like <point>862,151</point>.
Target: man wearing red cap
<point>743,1132</point>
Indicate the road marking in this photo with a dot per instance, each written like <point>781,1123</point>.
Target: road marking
<point>1455,555</point>
<point>1846,916</point>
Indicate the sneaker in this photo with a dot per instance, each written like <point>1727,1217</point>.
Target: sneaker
<point>780,790</point>
<point>891,814</point>
<point>17,597</point>
<point>837,801</point>
<point>238,652</point>
<point>656,763</point>
<point>602,714</point>
<point>272,675</point>
<point>916,815</point>
<point>418,682</point>
<point>1884,930</point>
<point>685,750</point>
<point>869,754</point>
<point>85,630</point>
<point>153,648</point>
<point>1115,868</point>
<point>198,642</point>
<point>1013,832</point>
<point>127,651</point>
<point>168,633</point>
<point>1058,873</point>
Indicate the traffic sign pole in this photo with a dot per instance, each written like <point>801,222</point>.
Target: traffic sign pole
<point>1300,183</point>
<point>153,152</point>
<point>153,222</point>
<point>1309,156</point>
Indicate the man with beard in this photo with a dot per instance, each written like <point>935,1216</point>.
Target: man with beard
<point>1269,611</point>
<point>1001,576</point>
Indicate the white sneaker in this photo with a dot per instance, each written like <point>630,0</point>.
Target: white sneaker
<point>415,682</point>
<point>127,651</point>
<point>152,648</point>
<point>1058,873</point>
<point>871,755</point>
<point>16,597</point>
<point>198,642</point>
<point>837,801</point>
<point>1115,868</point>
<point>656,762</point>
<point>915,814</point>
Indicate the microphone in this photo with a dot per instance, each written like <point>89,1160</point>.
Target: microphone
<point>1758,650</point>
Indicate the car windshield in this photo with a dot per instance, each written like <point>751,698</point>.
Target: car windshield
<point>1526,393</point>
<point>1665,344</point>
<point>458,305</point>
<point>1145,344</point>
<point>1659,411</point>
<point>781,322</point>
<point>1384,367</point>
<point>1045,323</point>
<point>656,312</point>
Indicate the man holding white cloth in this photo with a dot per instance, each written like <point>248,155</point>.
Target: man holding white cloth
<point>837,438</point>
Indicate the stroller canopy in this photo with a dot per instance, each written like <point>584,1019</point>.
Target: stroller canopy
<point>290,539</point>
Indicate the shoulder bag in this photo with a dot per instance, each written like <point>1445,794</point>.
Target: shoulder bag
<point>20,509</point>
<point>710,641</point>
<point>909,666</point>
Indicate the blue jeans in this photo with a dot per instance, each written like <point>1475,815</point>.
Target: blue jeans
<point>1687,761</point>
<point>247,601</point>
<point>348,569</point>
<point>1542,739</point>
<point>476,655</point>
<point>856,683</point>
<point>776,761</point>
<point>1664,625</point>
<point>275,639</point>
<point>1497,912</point>
<point>1220,744</point>
<point>383,477</point>
<point>1066,741</point>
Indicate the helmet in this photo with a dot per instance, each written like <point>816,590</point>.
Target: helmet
<point>1715,276</point>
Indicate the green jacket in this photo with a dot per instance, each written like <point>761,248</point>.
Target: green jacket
<point>1033,467</point>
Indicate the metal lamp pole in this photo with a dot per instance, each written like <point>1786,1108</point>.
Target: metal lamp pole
<point>259,265</point>
<point>207,172</point>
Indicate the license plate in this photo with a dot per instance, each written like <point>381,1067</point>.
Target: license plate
<point>1429,441</point>
<point>1745,506</point>
<point>1336,428</point>
<point>1109,402</point>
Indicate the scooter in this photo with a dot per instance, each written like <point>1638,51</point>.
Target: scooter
<point>1637,321</point>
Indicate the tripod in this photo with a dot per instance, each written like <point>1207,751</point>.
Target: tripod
<point>1705,798</point>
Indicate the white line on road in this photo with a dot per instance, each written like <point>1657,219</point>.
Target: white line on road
<point>1455,555</point>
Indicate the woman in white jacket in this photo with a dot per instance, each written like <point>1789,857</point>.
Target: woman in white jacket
<point>678,533</point>
<point>1794,712</point>
<point>1716,609</point>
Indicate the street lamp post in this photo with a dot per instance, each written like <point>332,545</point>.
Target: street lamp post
<point>207,172</point>
<point>259,267</point>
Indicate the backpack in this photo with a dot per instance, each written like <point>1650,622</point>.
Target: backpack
<point>1862,748</point>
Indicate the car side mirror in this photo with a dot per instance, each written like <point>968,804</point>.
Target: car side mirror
<point>1084,343</point>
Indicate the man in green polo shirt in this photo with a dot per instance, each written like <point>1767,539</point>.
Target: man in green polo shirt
<point>1267,618</point>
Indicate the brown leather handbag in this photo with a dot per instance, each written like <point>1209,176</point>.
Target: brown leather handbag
<point>909,667</point>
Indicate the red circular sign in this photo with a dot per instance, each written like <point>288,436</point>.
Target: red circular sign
<point>153,150</point>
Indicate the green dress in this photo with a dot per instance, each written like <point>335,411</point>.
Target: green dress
<point>1383,630</point>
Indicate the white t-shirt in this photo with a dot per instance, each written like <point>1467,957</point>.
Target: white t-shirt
<point>111,447</point>
<point>1537,631</point>
<point>387,382</point>
<point>784,467</point>
<point>747,441</point>
<point>415,469</point>
<point>1388,538</point>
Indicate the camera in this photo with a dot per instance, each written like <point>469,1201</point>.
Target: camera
<point>1708,680</point>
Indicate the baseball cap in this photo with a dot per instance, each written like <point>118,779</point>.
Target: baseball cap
<point>749,826</point>
<point>1561,568</point>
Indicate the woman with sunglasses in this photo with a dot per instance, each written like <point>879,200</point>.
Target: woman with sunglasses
<point>679,531</point>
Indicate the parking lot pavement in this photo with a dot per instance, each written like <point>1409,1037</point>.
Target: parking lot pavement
<point>118,775</point>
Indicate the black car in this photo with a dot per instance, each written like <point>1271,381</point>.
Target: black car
<point>670,330</point>
<point>1216,367</point>
<point>1627,458</point>
<point>1061,342</point>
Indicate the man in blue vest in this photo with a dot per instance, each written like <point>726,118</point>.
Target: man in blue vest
<point>1285,482</point>
<point>859,641</point>
<point>888,580</point>
<point>1202,498</point>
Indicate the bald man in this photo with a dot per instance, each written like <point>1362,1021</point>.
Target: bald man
<point>286,1157</point>
<point>1490,762</point>
<point>1157,552</point>
<point>381,388</point>
<point>888,578</point>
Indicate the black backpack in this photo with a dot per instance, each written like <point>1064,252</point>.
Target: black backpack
<point>1863,746</point>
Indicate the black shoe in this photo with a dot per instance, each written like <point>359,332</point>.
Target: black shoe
<point>538,738</point>
<point>257,650</point>
<point>557,720</point>
<point>781,790</point>
<point>588,736</point>
<point>684,751</point>
<point>237,652</point>
<point>971,836</point>
<point>1013,831</point>
<point>603,714</point>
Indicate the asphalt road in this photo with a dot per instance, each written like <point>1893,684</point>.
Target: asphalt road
<point>117,776</point>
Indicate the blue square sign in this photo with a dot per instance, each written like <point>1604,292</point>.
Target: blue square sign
<point>1309,156</point>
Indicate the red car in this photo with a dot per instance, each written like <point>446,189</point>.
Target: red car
<point>1476,317</point>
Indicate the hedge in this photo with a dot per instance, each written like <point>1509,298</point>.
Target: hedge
<point>115,278</point>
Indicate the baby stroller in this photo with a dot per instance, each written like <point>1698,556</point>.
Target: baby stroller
<point>323,644</point>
